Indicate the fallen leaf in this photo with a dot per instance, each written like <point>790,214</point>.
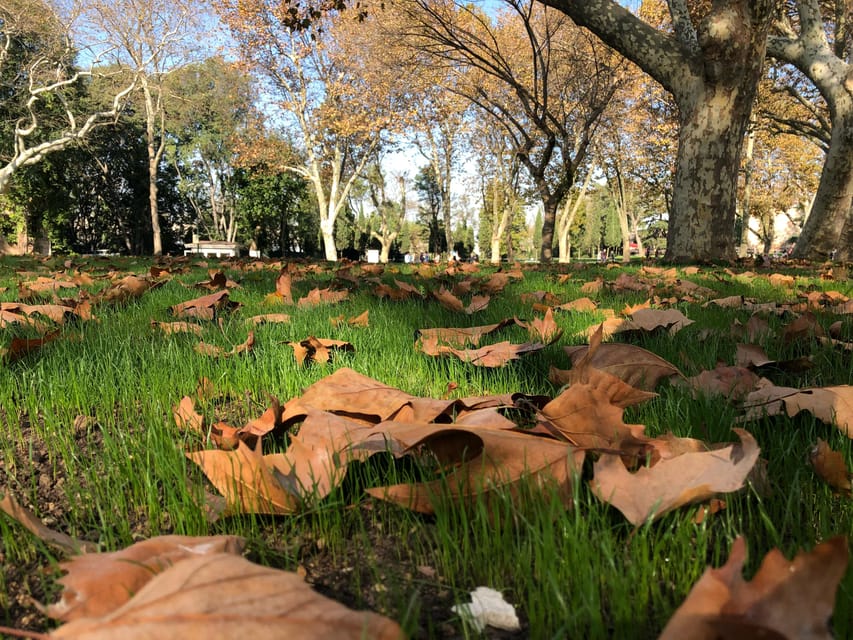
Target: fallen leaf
<point>11,507</point>
<point>226,596</point>
<point>493,355</point>
<point>543,329</point>
<point>205,307</point>
<point>589,412</point>
<point>832,405</point>
<point>96,584</point>
<point>317,349</point>
<point>731,382</point>
<point>170,328</point>
<point>246,480</point>
<point>322,296</point>
<point>460,336</point>
<point>785,599</point>
<point>218,352</point>
<point>692,477</point>
<point>754,357</point>
<point>271,318</point>
<point>633,365</point>
<point>672,320</point>
<point>482,464</point>
<point>831,467</point>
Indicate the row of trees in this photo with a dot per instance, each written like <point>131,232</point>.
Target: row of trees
<point>704,114</point>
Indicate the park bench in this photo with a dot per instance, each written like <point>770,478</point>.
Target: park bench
<point>215,248</point>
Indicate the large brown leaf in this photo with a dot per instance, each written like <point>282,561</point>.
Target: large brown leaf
<point>347,392</point>
<point>204,307</point>
<point>690,477</point>
<point>589,412</point>
<point>492,355</point>
<point>98,583</point>
<point>482,463</point>
<point>226,596</point>
<point>633,365</point>
<point>831,467</point>
<point>460,336</point>
<point>246,479</point>
<point>832,405</point>
<point>785,599</point>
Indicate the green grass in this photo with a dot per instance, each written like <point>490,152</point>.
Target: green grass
<point>583,572</point>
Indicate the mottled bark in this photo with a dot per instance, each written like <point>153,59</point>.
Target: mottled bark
<point>809,49</point>
<point>712,72</point>
<point>823,230</point>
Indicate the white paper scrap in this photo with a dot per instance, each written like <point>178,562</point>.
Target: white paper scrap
<point>488,607</point>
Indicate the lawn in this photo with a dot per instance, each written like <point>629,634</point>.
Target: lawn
<point>93,447</point>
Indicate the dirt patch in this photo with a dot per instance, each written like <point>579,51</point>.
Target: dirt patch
<point>375,570</point>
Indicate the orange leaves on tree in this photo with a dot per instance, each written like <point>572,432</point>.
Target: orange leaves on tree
<point>785,599</point>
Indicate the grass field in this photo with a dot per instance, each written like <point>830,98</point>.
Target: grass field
<point>91,446</point>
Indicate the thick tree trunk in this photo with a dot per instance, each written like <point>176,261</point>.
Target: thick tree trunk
<point>549,221</point>
<point>823,231</point>
<point>711,134</point>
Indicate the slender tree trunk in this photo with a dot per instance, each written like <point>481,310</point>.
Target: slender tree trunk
<point>823,230</point>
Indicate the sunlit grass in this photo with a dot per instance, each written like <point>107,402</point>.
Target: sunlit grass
<point>582,572</point>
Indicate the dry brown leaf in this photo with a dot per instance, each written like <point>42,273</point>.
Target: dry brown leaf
<point>15,510</point>
<point>96,584</point>
<point>803,328</point>
<point>672,320</point>
<point>579,305</point>
<point>186,417</point>
<point>481,463</point>
<point>731,382</point>
<point>832,405</point>
<point>205,307</point>
<point>633,365</point>
<point>349,393</point>
<point>246,480</point>
<point>493,355</point>
<point>690,477</point>
<point>272,318</point>
<point>831,467</point>
<point>754,357</point>
<point>218,352</point>
<point>20,347</point>
<point>322,296</point>
<point>319,350</point>
<point>785,599</point>
<point>543,329</point>
<point>128,288</point>
<point>460,336</point>
<point>170,328</point>
<point>226,596</point>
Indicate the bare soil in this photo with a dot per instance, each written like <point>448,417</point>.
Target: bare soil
<point>349,576</point>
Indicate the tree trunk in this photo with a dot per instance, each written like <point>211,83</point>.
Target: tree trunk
<point>327,230</point>
<point>822,232</point>
<point>701,226</point>
<point>152,199</point>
